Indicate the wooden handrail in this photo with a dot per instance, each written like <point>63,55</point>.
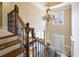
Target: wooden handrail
<point>15,12</point>
<point>34,36</point>
<point>21,21</point>
<point>18,17</point>
<point>43,43</point>
<point>11,12</point>
<point>26,27</point>
<point>27,30</point>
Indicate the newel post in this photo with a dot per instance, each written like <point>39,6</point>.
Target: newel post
<point>16,9</point>
<point>27,29</point>
<point>32,32</point>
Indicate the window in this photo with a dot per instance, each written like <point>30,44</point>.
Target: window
<point>58,18</point>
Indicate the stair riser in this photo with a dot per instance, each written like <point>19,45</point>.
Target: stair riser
<point>2,41</point>
<point>20,55</point>
<point>9,49</point>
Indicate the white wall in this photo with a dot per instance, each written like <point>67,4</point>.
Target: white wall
<point>61,29</point>
<point>75,28</point>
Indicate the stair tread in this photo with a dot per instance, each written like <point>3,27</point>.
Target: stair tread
<point>6,36</point>
<point>13,53</point>
<point>8,44</point>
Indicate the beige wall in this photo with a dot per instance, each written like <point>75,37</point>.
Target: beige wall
<point>0,15</point>
<point>28,12</point>
<point>61,29</point>
<point>6,8</point>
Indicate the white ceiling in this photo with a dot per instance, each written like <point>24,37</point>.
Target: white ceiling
<point>52,5</point>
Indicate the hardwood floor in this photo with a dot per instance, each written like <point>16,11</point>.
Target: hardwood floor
<point>43,52</point>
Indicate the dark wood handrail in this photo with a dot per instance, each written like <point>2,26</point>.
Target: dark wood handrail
<point>37,39</point>
<point>15,11</point>
<point>18,17</point>
<point>11,12</point>
<point>52,49</point>
<point>21,21</point>
<point>25,26</point>
<point>43,43</point>
<point>27,30</point>
<point>34,36</point>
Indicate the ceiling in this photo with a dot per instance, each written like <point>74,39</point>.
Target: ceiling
<point>49,4</point>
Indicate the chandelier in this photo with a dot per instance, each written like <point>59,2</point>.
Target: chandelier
<point>48,15</point>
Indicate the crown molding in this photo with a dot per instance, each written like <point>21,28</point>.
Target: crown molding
<point>65,5</point>
<point>39,5</point>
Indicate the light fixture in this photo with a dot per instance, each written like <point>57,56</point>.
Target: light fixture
<point>48,15</point>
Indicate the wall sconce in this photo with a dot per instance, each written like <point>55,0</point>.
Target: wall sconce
<point>48,15</point>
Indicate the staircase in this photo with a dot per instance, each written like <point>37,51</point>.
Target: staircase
<point>9,44</point>
<point>21,45</point>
